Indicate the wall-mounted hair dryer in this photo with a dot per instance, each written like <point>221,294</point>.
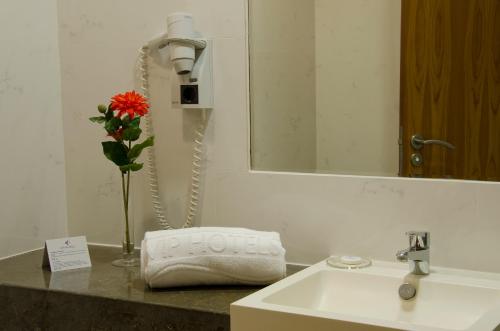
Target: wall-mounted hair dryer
<point>191,57</point>
<point>183,42</point>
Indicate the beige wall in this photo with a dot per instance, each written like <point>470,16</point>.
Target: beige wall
<point>282,88</point>
<point>316,215</point>
<point>357,86</point>
<point>98,57</point>
<point>32,196</point>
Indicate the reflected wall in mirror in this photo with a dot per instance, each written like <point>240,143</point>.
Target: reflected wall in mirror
<point>385,87</point>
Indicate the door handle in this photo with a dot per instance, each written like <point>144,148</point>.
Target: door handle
<point>418,141</point>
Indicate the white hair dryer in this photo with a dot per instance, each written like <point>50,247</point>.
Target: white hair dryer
<point>191,57</point>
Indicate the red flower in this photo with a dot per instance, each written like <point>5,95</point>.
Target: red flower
<point>131,103</point>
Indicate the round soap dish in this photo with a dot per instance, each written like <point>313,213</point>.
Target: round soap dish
<point>348,262</point>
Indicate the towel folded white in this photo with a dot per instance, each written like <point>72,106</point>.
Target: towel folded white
<point>211,255</point>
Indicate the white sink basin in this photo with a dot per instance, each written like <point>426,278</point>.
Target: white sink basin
<point>323,298</point>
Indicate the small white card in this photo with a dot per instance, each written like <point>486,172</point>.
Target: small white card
<point>66,254</point>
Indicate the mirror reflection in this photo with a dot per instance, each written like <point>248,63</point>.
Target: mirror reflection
<point>405,88</point>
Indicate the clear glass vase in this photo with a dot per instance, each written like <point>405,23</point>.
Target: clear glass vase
<point>129,256</point>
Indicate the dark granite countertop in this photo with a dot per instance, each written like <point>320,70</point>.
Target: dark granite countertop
<point>26,289</point>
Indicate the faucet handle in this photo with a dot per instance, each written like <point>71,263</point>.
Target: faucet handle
<point>419,240</point>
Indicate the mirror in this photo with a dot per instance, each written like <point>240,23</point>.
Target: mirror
<point>405,88</point>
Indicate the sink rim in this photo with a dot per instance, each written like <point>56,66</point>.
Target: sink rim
<point>386,269</point>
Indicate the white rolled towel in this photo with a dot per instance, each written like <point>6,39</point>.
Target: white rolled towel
<point>211,255</point>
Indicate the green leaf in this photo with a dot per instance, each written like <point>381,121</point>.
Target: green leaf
<point>131,167</point>
<point>97,119</point>
<point>126,120</point>
<point>135,122</point>
<point>136,151</point>
<point>113,124</point>
<point>132,133</point>
<point>116,152</point>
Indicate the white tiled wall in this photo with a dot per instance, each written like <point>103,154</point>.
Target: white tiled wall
<point>316,214</point>
<point>32,196</point>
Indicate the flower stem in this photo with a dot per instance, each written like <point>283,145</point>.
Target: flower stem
<point>125,191</point>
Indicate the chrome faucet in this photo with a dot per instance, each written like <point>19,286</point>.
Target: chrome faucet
<point>417,254</point>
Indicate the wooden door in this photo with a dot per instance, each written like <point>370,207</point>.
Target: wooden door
<point>450,87</point>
